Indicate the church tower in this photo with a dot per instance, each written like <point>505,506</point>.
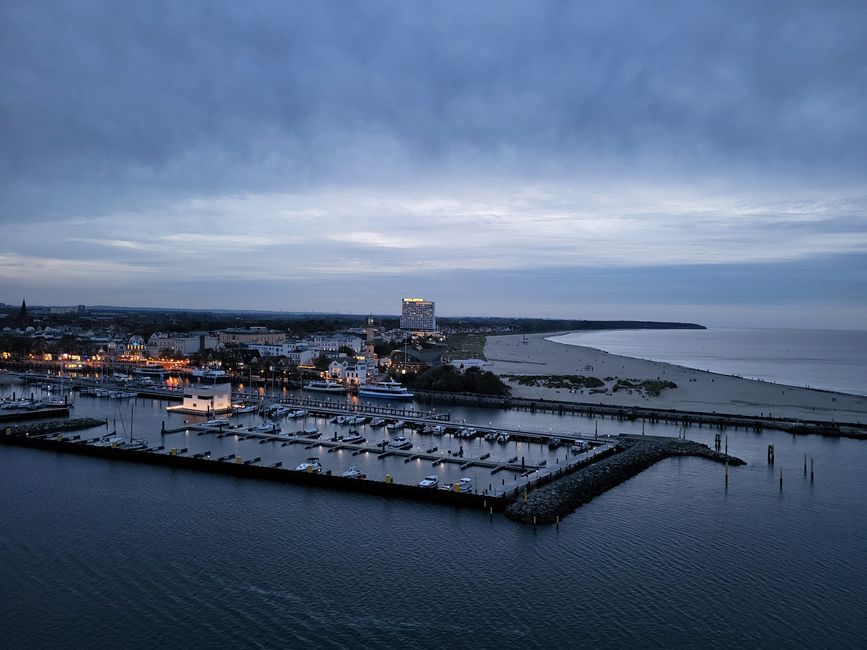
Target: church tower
<point>369,343</point>
<point>22,315</point>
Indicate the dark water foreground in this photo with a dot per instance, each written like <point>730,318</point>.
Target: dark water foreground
<point>105,555</point>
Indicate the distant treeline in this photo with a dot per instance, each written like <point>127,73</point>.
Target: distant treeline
<point>529,325</point>
<point>147,321</point>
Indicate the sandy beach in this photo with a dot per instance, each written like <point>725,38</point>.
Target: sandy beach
<point>696,390</point>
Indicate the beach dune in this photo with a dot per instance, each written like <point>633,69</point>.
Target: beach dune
<point>696,390</point>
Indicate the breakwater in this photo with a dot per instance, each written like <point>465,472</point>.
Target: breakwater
<point>52,426</point>
<point>549,503</point>
<point>856,430</point>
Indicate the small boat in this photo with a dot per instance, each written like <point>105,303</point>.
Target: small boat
<point>503,438</point>
<point>361,419</point>
<point>311,432</point>
<point>334,420</point>
<point>490,436</point>
<point>311,465</point>
<point>396,426</point>
<point>553,443</point>
<point>352,472</point>
<point>343,419</point>
<point>438,430</point>
<point>250,408</point>
<point>209,373</point>
<point>300,413</point>
<point>464,485</point>
<point>217,422</point>
<point>278,411</point>
<point>377,422</point>
<point>400,442</point>
<point>111,440</point>
<point>429,481</point>
<point>266,427</point>
<point>353,437</point>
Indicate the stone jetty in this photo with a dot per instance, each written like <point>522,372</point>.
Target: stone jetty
<point>563,496</point>
<point>51,426</point>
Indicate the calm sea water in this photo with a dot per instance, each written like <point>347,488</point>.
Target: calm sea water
<point>829,359</point>
<point>108,555</point>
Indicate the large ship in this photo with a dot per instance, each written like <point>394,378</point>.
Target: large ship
<point>389,389</point>
<point>324,387</point>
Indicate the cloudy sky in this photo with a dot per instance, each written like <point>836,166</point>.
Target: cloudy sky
<point>686,161</point>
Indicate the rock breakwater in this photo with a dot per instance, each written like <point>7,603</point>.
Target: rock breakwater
<point>566,494</point>
<point>52,426</point>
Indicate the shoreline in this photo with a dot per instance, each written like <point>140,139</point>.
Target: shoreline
<point>696,390</point>
<point>549,336</point>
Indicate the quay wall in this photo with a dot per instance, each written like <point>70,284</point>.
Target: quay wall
<point>563,496</point>
<point>278,474</point>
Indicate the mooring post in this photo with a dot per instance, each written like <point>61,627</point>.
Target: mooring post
<point>805,464</point>
<point>727,473</point>
<point>558,523</point>
<point>811,469</point>
<point>727,445</point>
<point>770,454</point>
<point>781,479</point>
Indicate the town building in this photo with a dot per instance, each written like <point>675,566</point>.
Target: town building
<point>417,315</point>
<point>297,353</point>
<point>185,344</point>
<point>351,372</point>
<point>238,336</point>
<point>334,343</point>
<point>200,399</point>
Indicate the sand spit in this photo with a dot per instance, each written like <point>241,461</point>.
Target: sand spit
<point>696,390</point>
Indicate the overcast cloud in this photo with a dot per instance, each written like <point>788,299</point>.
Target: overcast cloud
<point>540,158</point>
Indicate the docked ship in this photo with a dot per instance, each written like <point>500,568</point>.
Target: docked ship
<point>325,387</point>
<point>389,389</point>
<point>151,371</point>
<point>210,374</point>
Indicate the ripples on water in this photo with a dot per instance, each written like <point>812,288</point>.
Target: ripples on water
<point>108,555</point>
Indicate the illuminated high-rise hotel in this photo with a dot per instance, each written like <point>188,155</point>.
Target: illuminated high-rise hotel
<point>418,315</point>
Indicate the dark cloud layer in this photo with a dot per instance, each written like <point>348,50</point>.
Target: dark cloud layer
<point>332,153</point>
<point>180,97</point>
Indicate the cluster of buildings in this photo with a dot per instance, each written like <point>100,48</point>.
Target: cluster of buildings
<point>350,354</point>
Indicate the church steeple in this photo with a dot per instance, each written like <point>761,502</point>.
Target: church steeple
<point>22,315</point>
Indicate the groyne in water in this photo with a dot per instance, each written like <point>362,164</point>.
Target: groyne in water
<point>563,496</point>
<point>856,430</point>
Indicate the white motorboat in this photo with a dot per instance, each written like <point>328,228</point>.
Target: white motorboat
<point>377,422</point>
<point>311,432</point>
<point>400,442</point>
<point>353,438</point>
<point>429,481</point>
<point>266,427</point>
<point>384,390</point>
<point>325,387</point>
<point>311,465</point>
<point>217,422</point>
<point>464,485</point>
<point>396,426</point>
<point>352,472</point>
<point>111,440</point>
<point>250,408</point>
